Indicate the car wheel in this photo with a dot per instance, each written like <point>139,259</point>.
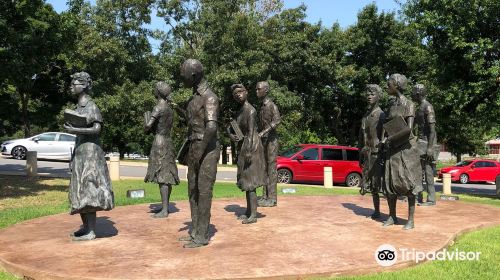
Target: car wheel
<point>353,180</point>
<point>19,152</point>
<point>464,178</point>
<point>284,176</point>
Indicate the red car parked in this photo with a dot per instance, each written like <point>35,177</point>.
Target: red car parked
<point>305,163</point>
<point>477,170</point>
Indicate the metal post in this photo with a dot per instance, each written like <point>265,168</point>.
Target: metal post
<point>31,164</point>
<point>328,179</point>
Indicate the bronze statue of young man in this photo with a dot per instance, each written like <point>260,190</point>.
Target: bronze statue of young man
<point>370,136</point>
<point>203,153</point>
<point>425,120</point>
<point>269,118</point>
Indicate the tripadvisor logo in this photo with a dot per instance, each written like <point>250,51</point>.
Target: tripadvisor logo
<point>387,255</point>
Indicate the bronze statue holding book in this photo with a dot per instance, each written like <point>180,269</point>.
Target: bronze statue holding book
<point>403,173</point>
<point>90,186</point>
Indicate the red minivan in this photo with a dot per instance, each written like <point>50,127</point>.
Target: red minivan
<point>305,163</point>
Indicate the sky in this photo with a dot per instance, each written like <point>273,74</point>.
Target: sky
<point>327,11</point>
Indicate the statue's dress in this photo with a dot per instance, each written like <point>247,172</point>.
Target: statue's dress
<point>403,172</point>
<point>251,173</point>
<point>90,186</point>
<point>162,168</point>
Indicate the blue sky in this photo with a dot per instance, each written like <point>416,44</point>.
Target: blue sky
<point>328,11</point>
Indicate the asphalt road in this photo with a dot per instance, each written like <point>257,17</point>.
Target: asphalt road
<point>60,169</point>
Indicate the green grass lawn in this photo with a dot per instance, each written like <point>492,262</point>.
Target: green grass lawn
<point>21,200</point>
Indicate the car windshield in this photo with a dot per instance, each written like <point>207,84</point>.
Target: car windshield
<point>463,163</point>
<point>290,152</point>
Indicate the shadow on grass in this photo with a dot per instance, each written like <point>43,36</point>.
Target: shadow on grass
<point>17,186</point>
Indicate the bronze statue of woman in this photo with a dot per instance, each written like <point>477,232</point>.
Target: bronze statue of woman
<point>403,173</point>
<point>162,168</point>
<point>90,186</point>
<point>251,163</point>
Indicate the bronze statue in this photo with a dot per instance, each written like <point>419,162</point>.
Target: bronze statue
<point>162,168</point>
<point>90,186</point>
<point>269,119</point>
<point>203,152</point>
<point>251,165</point>
<point>370,136</point>
<point>425,120</point>
<point>403,172</point>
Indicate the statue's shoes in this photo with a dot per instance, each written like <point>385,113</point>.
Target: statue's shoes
<point>193,244</point>
<point>161,214</point>
<point>79,232</point>
<point>87,237</point>
<point>390,221</point>
<point>186,238</point>
<point>409,225</point>
<point>428,203</point>
<point>243,217</point>
<point>375,215</point>
<point>250,220</point>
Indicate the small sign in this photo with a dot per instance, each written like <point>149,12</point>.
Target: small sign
<point>289,190</point>
<point>449,197</point>
<point>136,193</point>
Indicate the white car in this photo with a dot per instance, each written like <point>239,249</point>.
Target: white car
<point>49,145</point>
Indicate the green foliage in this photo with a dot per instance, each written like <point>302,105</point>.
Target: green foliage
<point>317,74</point>
<point>462,38</point>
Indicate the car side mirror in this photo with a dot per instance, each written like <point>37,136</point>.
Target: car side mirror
<point>299,157</point>
<point>36,139</point>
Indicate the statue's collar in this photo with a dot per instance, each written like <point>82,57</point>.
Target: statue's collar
<point>266,100</point>
<point>84,100</point>
<point>202,87</point>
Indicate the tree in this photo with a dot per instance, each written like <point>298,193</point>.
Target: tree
<point>31,39</point>
<point>462,38</point>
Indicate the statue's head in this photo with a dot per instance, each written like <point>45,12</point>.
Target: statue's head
<point>419,93</point>
<point>396,84</point>
<point>262,89</point>
<point>81,83</point>
<point>240,93</point>
<point>191,72</point>
<point>373,93</point>
<point>162,90</point>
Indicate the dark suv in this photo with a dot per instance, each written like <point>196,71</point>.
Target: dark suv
<point>305,163</point>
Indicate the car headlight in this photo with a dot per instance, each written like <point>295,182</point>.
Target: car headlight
<point>6,143</point>
<point>453,171</point>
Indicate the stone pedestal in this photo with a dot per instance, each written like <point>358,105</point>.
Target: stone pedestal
<point>31,164</point>
<point>328,177</point>
<point>114,168</point>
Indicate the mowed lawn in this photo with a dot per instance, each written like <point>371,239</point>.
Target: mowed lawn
<point>21,199</point>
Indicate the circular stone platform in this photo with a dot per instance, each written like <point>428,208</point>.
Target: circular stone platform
<point>328,235</point>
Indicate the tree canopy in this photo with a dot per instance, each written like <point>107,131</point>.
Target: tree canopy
<point>317,73</point>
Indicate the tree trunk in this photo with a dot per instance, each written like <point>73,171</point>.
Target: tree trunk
<point>459,157</point>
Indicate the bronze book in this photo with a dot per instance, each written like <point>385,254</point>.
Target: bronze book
<point>398,131</point>
<point>182,155</point>
<point>236,129</point>
<point>147,116</point>
<point>75,119</point>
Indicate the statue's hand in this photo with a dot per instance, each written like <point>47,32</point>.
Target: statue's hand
<point>69,128</point>
<point>430,154</point>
